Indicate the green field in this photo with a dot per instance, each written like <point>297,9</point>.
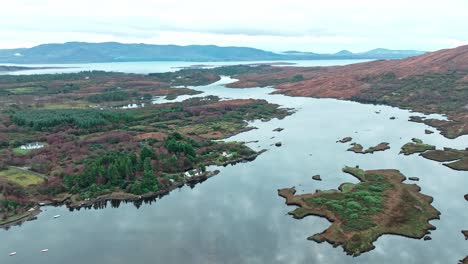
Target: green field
<point>24,90</point>
<point>20,177</point>
<point>18,150</point>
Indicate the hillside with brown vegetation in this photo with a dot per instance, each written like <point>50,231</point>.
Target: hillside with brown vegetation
<point>435,82</point>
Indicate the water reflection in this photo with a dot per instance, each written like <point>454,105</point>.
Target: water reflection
<point>237,217</point>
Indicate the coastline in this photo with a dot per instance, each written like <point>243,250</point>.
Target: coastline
<point>120,196</point>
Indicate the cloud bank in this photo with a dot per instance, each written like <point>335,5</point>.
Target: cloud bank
<point>322,26</point>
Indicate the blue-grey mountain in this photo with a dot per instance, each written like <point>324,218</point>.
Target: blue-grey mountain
<point>82,52</point>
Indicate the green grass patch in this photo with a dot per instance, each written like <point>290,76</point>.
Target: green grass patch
<point>13,218</point>
<point>24,90</point>
<point>20,151</point>
<point>20,177</point>
<point>355,206</point>
<point>346,187</point>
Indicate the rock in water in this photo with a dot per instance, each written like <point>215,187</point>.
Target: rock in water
<point>345,140</point>
<point>316,177</point>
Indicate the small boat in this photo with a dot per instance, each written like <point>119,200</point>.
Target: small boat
<point>56,216</point>
<point>12,254</point>
<point>45,250</point>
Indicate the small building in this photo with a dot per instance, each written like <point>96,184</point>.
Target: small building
<point>226,154</point>
<point>194,172</point>
<point>34,145</point>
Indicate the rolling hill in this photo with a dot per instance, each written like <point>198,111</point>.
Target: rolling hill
<point>436,82</point>
<point>83,52</point>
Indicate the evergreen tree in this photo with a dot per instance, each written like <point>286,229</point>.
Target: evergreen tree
<point>150,181</point>
<point>146,153</point>
<point>113,175</point>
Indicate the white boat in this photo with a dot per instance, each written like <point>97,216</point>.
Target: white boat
<point>12,254</point>
<point>45,250</point>
<point>56,216</point>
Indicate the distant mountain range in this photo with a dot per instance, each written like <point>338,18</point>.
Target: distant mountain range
<point>83,52</point>
<point>371,54</point>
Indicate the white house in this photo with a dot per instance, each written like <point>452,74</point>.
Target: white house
<point>194,172</point>
<point>226,154</point>
<point>34,145</point>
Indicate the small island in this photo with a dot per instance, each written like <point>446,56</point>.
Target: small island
<point>457,159</point>
<point>358,148</point>
<point>345,140</point>
<point>464,261</point>
<point>360,213</point>
<point>416,146</point>
<point>316,177</point>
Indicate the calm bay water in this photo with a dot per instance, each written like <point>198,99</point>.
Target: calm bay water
<point>237,216</point>
<point>157,66</point>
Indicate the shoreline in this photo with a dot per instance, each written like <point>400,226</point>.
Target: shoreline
<point>27,216</point>
<point>121,196</point>
<point>129,197</point>
<point>364,238</point>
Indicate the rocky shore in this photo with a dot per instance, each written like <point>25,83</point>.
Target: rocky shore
<point>128,197</point>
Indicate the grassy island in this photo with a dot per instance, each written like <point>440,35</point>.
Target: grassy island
<point>456,159</point>
<point>416,146</point>
<point>345,140</point>
<point>358,148</point>
<point>452,158</point>
<point>360,213</point>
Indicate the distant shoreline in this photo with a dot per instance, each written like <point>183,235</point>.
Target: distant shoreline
<point>7,68</point>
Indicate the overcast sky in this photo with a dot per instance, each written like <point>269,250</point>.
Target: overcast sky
<point>308,25</point>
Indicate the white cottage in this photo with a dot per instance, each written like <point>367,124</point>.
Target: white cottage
<point>226,154</point>
<point>34,145</point>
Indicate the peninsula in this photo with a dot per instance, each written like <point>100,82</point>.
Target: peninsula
<point>435,82</point>
<point>64,138</point>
